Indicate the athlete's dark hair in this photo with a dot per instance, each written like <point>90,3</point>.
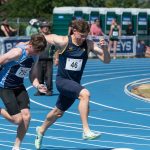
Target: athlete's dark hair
<point>38,42</point>
<point>81,26</point>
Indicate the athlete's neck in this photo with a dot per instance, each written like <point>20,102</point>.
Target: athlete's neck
<point>27,47</point>
<point>74,41</point>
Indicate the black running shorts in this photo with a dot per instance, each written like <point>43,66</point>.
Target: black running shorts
<point>15,99</point>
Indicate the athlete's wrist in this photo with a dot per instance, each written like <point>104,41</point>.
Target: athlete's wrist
<point>37,86</point>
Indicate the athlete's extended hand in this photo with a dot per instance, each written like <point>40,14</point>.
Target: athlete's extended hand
<point>103,44</point>
<point>42,88</point>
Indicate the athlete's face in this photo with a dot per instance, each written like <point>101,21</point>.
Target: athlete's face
<point>45,30</point>
<point>80,37</point>
<point>33,51</point>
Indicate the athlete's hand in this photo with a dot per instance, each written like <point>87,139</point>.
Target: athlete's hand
<point>103,44</point>
<point>101,41</point>
<point>42,88</point>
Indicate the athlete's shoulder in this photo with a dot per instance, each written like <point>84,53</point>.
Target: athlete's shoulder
<point>65,39</point>
<point>20,43</point>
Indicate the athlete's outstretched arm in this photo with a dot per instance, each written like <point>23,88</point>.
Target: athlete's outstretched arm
<point>34,79</point>
<point>57,40</point>
<point>12,54</point>
<point>102,53</point>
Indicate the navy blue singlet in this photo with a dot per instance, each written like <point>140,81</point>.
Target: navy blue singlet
<point>72,61</point>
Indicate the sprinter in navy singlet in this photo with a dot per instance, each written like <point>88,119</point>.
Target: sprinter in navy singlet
<point>73,54</point>
<point>16,64</point>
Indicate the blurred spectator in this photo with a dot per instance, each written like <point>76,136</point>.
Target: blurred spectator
<point>140,49</point>
<point>6,30</point>
<point>114,34</point>
<point>70,28</point>
<point>129,30</point>
<point>45,63</point>
<point>148,32</point>
<point>33,27</point>
<point>95,29</point>
<point>147,51</point>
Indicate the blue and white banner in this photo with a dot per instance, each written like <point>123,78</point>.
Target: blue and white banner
<point>126,20</point>
<point>126,45</point>
<point>6,43</point>
<point>109,20</point>
<point>142,21</point>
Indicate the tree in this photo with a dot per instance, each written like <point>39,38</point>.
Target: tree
<point>44,8</point>
<point>26,8</point>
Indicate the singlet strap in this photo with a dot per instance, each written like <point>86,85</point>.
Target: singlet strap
<point>65,46</point>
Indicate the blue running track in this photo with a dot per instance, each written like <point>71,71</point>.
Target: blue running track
<point>123,120</point>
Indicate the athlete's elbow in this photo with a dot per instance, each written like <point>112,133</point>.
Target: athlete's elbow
<point>2,62</point>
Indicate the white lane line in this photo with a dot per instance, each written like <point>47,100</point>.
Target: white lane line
<point>11,147</point>
<point>118,109</point>
<point>120,135</point>
<point>107,120</point>
<point>77,124</point>
<point>121,77</point>
<point>114,78</point>
<point>61,139</point>
<point>100,141</point>
<point>113,73</point>
<point>54,146</point>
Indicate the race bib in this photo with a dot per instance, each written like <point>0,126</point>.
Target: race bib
<point>22,72</point>
<point>73,64</point>
<point>115,33</point>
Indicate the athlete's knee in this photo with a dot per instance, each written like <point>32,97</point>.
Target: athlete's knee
<point>17,119</point>
<point>58,113</point>
<point>84,94</point>
<point>54,114</point>
<point>26,116</point>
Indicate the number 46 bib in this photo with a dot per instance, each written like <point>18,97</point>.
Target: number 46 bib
<point>73,64</point>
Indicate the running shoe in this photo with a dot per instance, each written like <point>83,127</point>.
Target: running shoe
<point>89,135</point>
<point>38,140</point>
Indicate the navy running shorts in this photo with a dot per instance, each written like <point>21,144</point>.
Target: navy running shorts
<point>69,92</point>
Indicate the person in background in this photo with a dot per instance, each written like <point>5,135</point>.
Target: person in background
<point>114,34</point>
<point>129,30</point>
<point>6,30</point>
<point>73,55</point>
<point>16,64</point>
<point>45,63</point>
<point>32,28</point>
<point>95,29</point>
<point>70,28</point>
<point>147,51</point>
<point>140,49</point>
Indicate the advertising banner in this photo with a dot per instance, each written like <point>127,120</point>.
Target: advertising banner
<point>6,43</point>
<point>126,44</point>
